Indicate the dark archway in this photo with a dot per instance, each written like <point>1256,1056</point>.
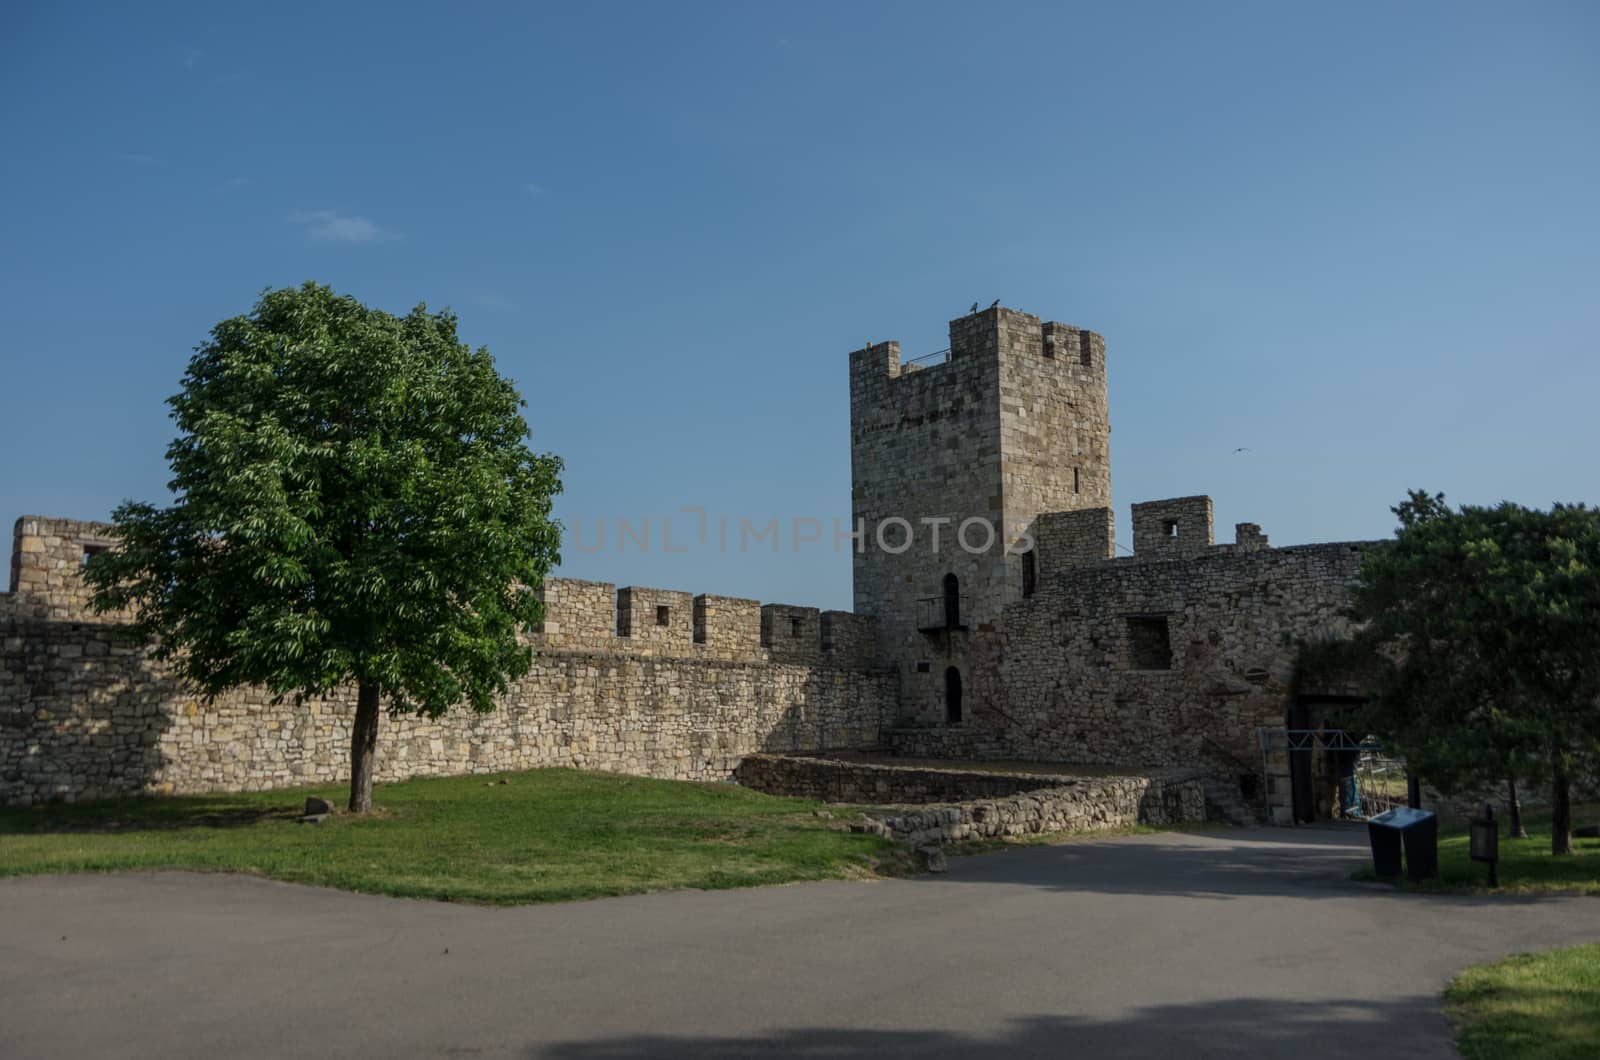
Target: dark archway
<point>952,696</point>
<point>952,602</point>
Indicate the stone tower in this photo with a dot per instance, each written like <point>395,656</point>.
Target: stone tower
<point>951,462</point>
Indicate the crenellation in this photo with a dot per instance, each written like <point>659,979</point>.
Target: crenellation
<point>791,634</point>
<point>1178,528</point>
<point>1249,536</point>
<point>849,639</point>
<point>47,559</point>
<point>728,626</point>
<point>1074,539</point>
<point>578,614</point>
<point>656,621</point>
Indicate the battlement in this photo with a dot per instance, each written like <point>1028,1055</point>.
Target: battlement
<point>1074,539</point>
<point>1174,528</point>
<point>47,558</point>
<point>989,336</point>
<point>590,616</point>
<point>634,620</point>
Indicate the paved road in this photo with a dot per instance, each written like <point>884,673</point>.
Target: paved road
<point>1217,944</point>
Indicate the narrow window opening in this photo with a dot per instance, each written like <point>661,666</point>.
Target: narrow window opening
<point>1149,643</point>
<point>794,627</point>
<point>663,615</point>
<point>1169,527</point>
<point>923,668</point>
<point>952,696</point>
<point>952,602</point>
<point>1030,573</point>
<point>1076,485</point>
<point>90,552</point>
<point>1085,349</point>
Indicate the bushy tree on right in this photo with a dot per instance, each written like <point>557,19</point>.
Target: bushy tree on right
<point>1482,628</point>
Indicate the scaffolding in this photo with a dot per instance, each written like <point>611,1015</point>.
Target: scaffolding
<point>1378,781</point>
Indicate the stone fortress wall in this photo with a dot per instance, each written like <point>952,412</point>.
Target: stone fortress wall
<point>1058,649</point>
<point>1178,655</point>
<point>635,680</point>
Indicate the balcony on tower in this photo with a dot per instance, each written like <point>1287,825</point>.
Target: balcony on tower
<point>942,613</point>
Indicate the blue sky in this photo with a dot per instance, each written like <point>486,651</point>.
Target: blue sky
<point>1358,239</point>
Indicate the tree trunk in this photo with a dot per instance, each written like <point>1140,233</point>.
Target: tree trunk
<point>1514,804</point>
<point>1561,802</point>
<point>363,748</point>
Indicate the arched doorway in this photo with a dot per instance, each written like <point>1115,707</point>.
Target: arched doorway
<point>952,696</point>
<point>952,602</point>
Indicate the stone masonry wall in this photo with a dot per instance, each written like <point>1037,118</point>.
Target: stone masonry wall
<point>47,559</point>
<point>1169,529</point>
<point>84,713</point>
<point>980,805</point>
<point>1087,680</point>
<point>1012,423</point>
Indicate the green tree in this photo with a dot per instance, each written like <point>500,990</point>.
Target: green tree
<point>1483,628</point>
<point>355,503</point>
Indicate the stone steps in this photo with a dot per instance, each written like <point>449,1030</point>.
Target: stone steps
<point>1223,803</point>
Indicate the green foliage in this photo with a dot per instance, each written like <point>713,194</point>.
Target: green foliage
<point>1527,866</point>
<point>354,502</point>
<point>544,835</point>
<point>1480,633</point>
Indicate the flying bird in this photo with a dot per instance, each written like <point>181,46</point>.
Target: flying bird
<point>1242,449</point>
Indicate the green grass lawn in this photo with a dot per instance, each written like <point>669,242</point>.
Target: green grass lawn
<point>1540,1005</point>
<point>545,835</point>
<point>1526,865</point>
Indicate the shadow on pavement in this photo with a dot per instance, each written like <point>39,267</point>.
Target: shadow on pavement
<point>1248,863</point>
<point>1248,1027</point>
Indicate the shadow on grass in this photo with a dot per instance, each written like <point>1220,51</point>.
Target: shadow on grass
<point>144,815</point>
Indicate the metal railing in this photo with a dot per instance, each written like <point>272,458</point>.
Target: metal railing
<point>927,360</point>
<point>941,612</point>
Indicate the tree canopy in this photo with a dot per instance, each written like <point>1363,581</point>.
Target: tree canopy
<point>354,502</point>
<point>1481,627</point>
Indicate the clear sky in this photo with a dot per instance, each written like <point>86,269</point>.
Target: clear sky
<point>1358,239</point>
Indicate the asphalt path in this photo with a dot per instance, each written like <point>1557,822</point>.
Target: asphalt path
<point>1230,943</point>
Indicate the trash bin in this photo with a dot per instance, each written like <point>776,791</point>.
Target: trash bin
<point>1422,846</point>
<point>1385,838</point>
<point>1417,831</point>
